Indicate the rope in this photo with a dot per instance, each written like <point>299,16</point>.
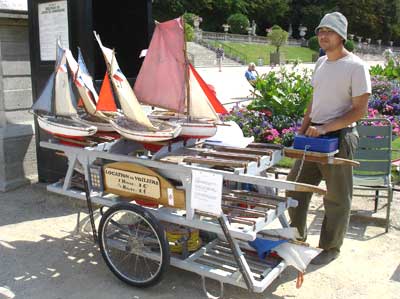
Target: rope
<point>178,235</point>
<point>302,162</point>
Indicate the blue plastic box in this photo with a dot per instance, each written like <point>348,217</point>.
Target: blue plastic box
<point>316,144</point>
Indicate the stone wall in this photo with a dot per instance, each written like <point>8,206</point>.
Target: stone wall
<point>17,142</point>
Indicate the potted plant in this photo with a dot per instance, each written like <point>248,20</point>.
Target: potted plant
<point>278,37</point>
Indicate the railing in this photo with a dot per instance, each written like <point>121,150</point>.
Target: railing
<point>229,52</point>
<point>219,36</point>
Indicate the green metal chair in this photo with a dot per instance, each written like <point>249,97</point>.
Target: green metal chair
<point>374,154</point>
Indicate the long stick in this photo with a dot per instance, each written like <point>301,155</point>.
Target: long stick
<point>188,100</point>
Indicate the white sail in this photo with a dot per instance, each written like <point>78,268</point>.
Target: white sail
<point>82,79</point>
<point>129,103</point>
<point>64,105</point>
<point>200,106</point>
<point>44,102</point>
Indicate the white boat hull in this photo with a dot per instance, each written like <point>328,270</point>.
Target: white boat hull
<point>65,127</point>
<point>125,128</point>
<point>198,130</point>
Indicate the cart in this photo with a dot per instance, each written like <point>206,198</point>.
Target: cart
<point>132,237</point>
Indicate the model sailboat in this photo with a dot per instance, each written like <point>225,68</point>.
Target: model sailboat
<point>92,113</point>
<point>167,80</point>
<point>134,123</point>
<point>56,106</point>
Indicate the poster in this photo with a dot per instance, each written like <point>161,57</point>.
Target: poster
<point>21,5</point>
<point>206,192</point>
<point>53,24</point>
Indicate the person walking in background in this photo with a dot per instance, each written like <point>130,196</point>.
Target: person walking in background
<point>341,87</point>
<point>251,74</point>
<point>220,56</point>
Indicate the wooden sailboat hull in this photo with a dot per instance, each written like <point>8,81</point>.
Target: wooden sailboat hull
<point>133,131</point>
<point>65,127</point>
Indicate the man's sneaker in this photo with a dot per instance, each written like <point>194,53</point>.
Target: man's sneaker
<point>325,257</point>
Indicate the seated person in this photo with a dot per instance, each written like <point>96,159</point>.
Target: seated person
<point>251,73</point>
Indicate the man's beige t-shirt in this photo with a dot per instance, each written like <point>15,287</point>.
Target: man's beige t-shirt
<point>335,83</point>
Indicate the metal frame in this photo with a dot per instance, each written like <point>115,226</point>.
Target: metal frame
<point>247,273</point>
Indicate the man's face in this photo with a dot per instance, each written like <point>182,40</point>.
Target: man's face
<point>252,68</point>
<point>328,39</point>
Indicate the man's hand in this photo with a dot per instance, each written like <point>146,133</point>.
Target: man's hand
<point>315,131</point>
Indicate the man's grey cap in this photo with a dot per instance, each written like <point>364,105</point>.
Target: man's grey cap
<point>335,21</point>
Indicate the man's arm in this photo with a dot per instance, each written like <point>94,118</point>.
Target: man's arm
<point>358,109</point>
<point>306,120</point>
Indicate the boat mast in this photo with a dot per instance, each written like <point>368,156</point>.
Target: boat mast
<point>188,100</point>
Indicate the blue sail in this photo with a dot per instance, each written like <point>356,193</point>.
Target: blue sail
<point>44,102</point>
<point>81,62</point>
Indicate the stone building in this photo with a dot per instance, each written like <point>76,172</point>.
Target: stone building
<point>17,142</point>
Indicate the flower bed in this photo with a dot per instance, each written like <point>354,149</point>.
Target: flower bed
<point>282,95</point>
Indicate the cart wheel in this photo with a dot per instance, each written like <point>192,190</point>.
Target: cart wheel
<point>133,245</point>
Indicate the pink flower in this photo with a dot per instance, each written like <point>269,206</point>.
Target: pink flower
<point>270,137</point>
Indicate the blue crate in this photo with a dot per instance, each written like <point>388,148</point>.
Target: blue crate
<point>316,144</point>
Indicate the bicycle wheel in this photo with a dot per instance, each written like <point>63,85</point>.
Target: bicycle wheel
<point>133,245</point>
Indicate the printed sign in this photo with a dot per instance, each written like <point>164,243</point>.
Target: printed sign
<point>206,192</point>
<point>131,182</point>
<point>21,5</point>
<point>53,25</point>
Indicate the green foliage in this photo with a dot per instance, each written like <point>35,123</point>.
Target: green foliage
<point>376,19</point>
<point>189,18</point>
<point>189,32</point>
<point>285,92</point>
<point>391,70</point>
<point>239,23</point>
<point>349,45</point>
<point>313,43</point>
<point>277,36</point>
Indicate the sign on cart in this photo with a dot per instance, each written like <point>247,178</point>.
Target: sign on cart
<point>206,192</point>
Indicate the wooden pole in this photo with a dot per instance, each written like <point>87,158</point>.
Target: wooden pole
<point>188,100</point>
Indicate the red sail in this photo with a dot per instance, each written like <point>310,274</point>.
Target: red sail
<point>161,80</point>
<point>212,98</point>
<point>106,100</point>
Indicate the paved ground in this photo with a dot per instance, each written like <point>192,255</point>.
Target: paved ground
<point>42,257</point>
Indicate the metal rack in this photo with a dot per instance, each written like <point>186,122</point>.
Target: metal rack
<point>221,259</point>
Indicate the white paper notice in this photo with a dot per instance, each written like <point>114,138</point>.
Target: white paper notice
<point>206,192</point>
<point>53,24</point>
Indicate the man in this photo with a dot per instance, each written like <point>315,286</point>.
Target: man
<point>251,73</point>
<point>342,86</point>
<point>220,56</point>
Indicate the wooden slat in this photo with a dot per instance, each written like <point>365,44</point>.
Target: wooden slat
<point>323,158</point>
<point>242,211</point>
<point>374,143</point>
<point>215,162</point>
<point>367,154</point>
<point>237,156</point>
<point>266,152</point>
<point>374,130</point>
<point>265,145</point>
<point>377,166</point>
<point>341,161</point>
<point>231,198</point>
<point>272,199</point>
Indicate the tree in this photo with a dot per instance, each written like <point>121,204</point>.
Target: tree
<point>277,36</point>
<point>239,23</point>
